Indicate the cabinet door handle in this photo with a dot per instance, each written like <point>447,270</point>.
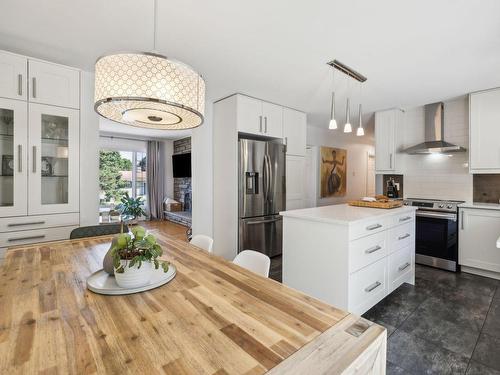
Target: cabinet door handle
<point>34,159</point>
<point>374,226</point>
<point>25,238</point>
<point>20,158</point>
<point>260,124</point>
<point>404,218</point>
<point>462,220</point>
<point>20,84</point>
<point>390,161</point>
<point>372,287</point>
<point>373,249</point>
<point>29,223</point>
<point>404,266</point>
<point>404,236</point>
<point>33,89</point>
<point>265,124</point>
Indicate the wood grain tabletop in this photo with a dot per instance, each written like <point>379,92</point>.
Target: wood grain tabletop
<point>213,318</point>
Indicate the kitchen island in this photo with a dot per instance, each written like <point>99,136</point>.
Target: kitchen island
<point>350,257</point>
<point>214,317</point>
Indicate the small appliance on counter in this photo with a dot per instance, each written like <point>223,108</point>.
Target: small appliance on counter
<point>393,186</point>
<point>436,237</point>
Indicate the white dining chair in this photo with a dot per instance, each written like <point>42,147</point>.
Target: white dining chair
<point>254,261</point>
<point>202,241</point>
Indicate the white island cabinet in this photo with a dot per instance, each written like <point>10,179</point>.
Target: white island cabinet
<point>350,257</point>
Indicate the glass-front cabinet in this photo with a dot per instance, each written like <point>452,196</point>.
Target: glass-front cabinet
<point>13,140</point>
<point>54,159</point>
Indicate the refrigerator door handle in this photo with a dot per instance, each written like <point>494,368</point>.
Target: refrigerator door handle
<point>264,221</point>
<point>265,179</point>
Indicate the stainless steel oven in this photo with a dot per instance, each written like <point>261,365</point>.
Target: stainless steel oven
<point>436,235</point>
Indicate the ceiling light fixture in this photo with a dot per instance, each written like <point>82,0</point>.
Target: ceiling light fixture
<point>360,132</point>
<point>148,90</point>
<point>333,123</point>
<point>347,126</point>
<point>351,73</point>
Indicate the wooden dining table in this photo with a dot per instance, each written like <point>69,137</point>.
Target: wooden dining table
<point>212,318</point>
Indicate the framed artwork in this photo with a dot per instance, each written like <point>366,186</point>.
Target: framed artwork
<point>333,167</point>
<point>7,165</point>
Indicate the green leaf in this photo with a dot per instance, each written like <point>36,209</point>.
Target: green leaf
<point>157,264</point>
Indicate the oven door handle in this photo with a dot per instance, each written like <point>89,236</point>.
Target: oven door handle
<point>437,215</point>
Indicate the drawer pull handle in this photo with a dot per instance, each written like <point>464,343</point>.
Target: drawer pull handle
<point>374,226</point>
<point>404,236</point>
<point>404,266</point>
<point>26,238</point>
<point>401,219</point>
<point>373,286</point>
<point>373,249</point>
<point>30,223</point>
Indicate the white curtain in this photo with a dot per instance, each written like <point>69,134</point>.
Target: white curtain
<point>155,178</point>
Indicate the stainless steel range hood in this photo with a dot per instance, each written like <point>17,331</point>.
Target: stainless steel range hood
<point>434,133</point>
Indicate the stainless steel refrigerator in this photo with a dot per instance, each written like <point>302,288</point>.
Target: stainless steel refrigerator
<point>262,196</point>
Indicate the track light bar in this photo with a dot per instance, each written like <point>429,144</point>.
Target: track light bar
<point>347,70</point>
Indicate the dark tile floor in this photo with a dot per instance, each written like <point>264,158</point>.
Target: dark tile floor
<point>448,323</point>
<point>275,272</point>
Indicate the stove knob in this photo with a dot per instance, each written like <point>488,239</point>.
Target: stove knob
<point>441,205</point>
<point>449,207</point>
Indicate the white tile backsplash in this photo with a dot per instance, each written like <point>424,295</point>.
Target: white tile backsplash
<point>439,176</point>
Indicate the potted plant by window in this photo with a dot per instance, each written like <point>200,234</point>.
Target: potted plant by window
<point>134,257</point>
<point>131,207</point>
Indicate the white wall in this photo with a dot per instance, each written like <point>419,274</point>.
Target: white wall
<point>357,148</point>
<point>202,172</point>
<point>439,176</point>
<point>89,153</point>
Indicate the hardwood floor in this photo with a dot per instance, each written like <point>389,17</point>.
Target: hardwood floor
<point>172,229</point>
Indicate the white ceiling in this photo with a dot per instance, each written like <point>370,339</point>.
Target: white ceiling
<point>412,52</point>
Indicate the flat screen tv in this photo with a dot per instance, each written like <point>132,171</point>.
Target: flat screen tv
<point>181,164</point>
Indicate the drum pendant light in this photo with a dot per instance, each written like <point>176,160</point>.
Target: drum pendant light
<point>149,90</point>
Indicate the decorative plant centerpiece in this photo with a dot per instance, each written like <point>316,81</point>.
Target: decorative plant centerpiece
<point>131,207</point>
<point>134,257</point>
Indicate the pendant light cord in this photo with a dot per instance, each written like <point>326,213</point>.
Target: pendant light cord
<point>155,24</point>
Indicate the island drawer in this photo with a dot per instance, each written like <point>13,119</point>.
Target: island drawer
<point>24,237</point>
<point>21,223</point>
<point>403,218</point>
<point>367,286</point>
<point>367,227</point>
<point>367,250</point>
<point>401,236</point>
<point>401,268</point>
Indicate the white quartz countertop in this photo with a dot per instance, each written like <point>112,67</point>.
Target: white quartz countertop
<point>343,213</point>
<point>484,206</point>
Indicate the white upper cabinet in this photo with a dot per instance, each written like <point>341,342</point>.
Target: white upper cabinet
<point>387,140</point>
<point>484,112</point>
<point>257,117</point>
<point>54,84</point>
<point>54,159</point>
<point>273,120</point>
<point>13,76</point>
<point>13,148</point>
<point>295,131</point>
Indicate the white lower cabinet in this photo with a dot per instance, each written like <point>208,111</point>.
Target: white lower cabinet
<point>379,263</point>
<point>295,184</point>
<point>349,263</point>
<point>479,230</point>
<point>368,286</point>
<point>401,267</point>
